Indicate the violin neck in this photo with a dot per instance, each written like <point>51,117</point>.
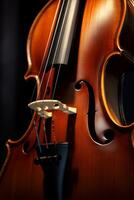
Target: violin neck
<point>64,32</point>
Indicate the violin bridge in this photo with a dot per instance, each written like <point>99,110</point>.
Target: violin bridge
<point>45,108</point>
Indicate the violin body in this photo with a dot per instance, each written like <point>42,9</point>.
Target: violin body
<point>96,148</point>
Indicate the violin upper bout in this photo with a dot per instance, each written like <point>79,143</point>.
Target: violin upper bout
<point>40,36</point>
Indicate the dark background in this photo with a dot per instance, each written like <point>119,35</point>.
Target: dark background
<point>16,18</point>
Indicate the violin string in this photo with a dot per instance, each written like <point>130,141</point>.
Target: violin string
<point>43,58</point>
<point>132,2</point>
<point>59,68</point>
<point>46,141</point>
<point>46,64</point>
<point>50,71</point>
<point>37,137</point>
<point>51,46</point>
<point>56,81</point>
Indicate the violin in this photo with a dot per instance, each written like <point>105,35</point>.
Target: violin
<point>79,144</point>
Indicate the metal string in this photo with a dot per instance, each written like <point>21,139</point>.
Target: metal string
<point>50,72</point>
<point>45,51</point>
<point>46,64</point>
<point>45,67</point>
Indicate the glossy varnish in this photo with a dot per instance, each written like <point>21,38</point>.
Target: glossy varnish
<point>100,162</point>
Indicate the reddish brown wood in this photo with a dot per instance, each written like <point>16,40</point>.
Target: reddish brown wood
<point>20,178</point>
<point>94,170</point>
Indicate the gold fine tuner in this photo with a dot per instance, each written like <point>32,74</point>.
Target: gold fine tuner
<point>45,108</point>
